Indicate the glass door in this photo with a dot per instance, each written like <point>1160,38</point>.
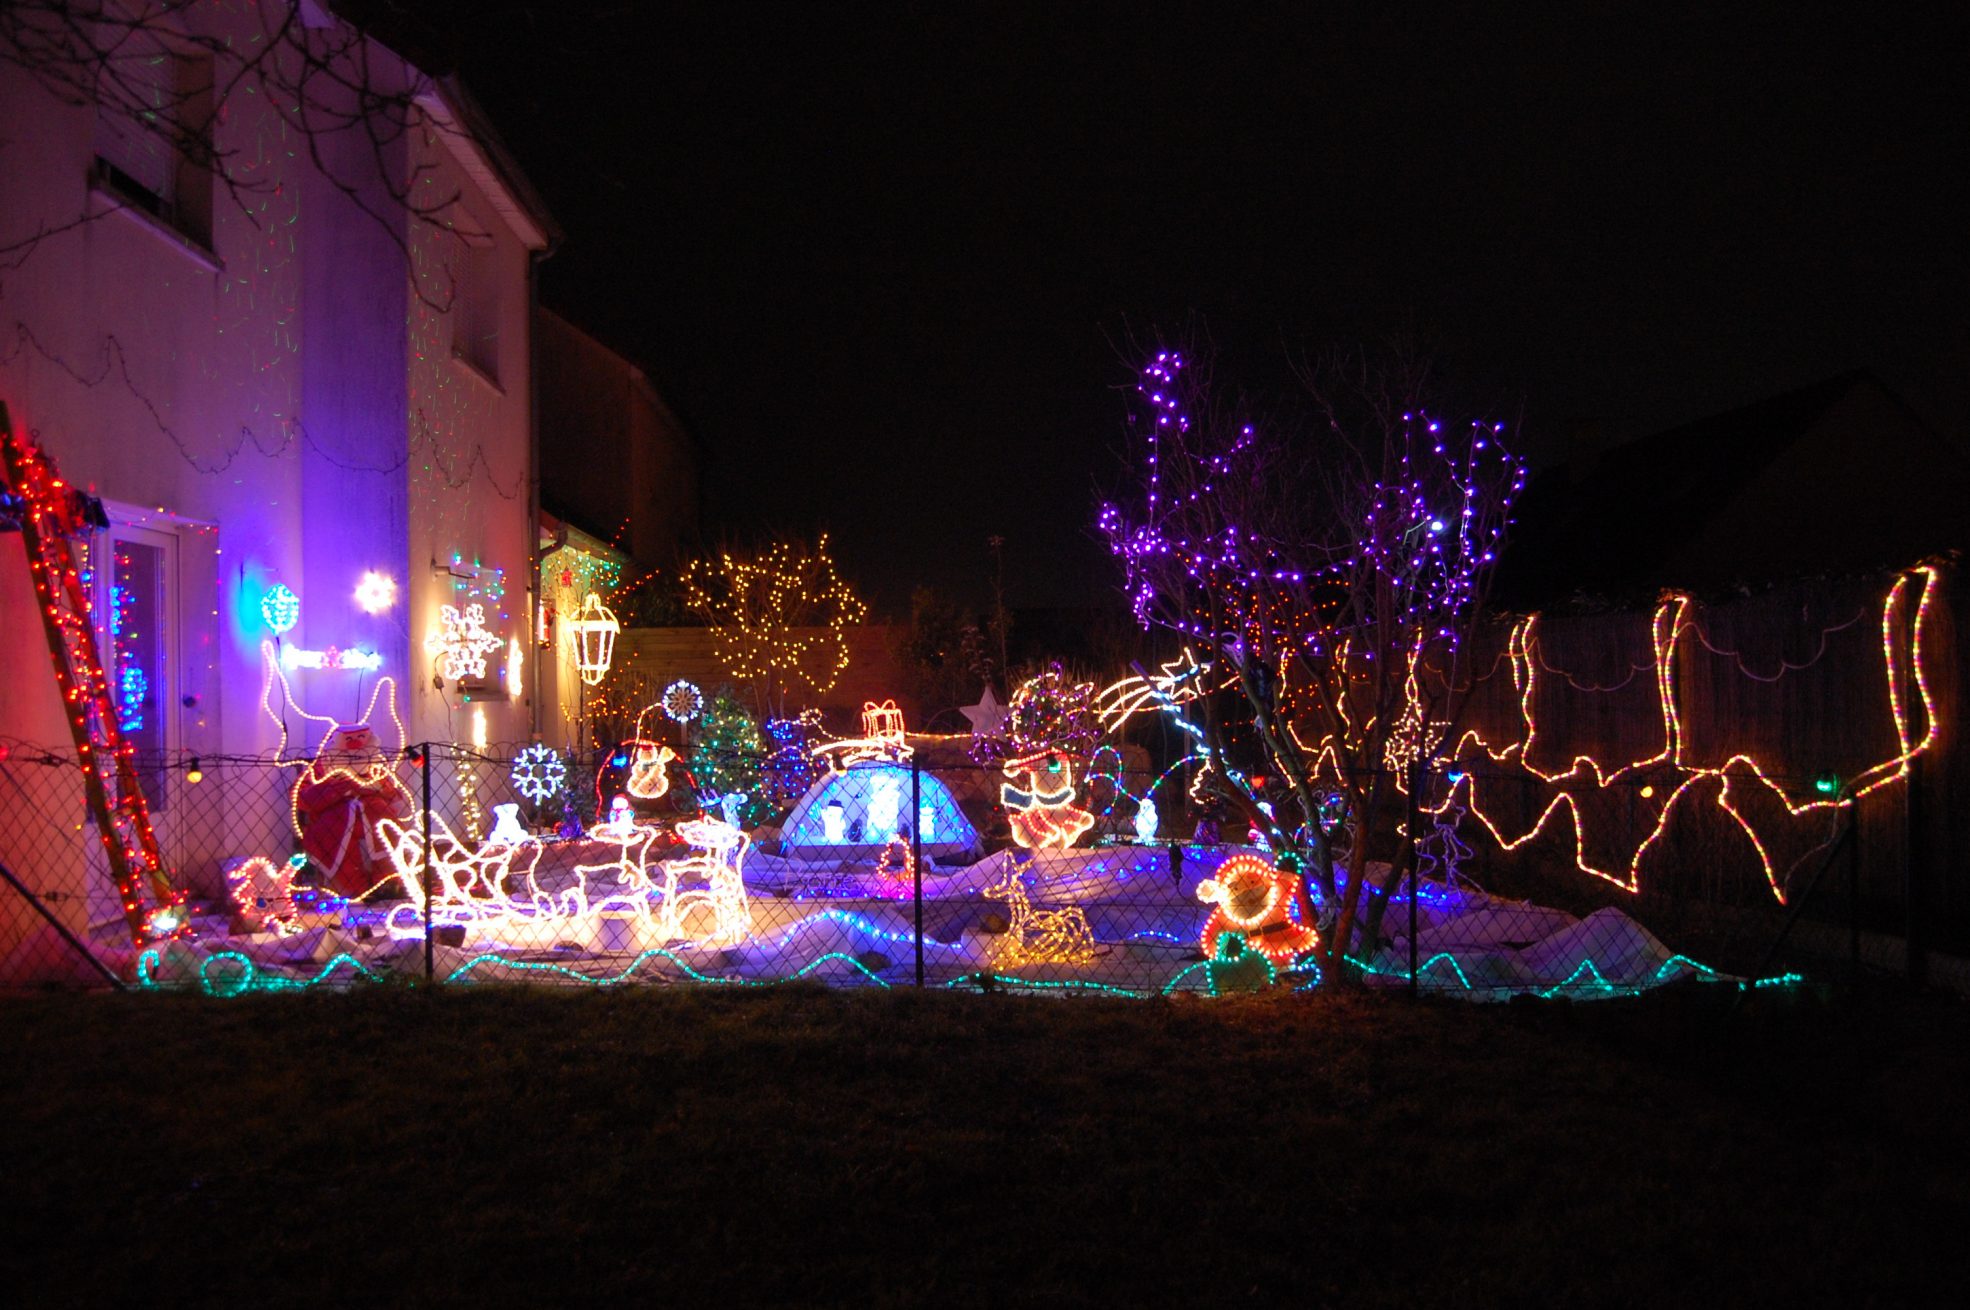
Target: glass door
<point>137,580</point>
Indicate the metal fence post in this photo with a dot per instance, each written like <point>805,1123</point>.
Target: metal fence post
<point>1854,903</point>
<point>1415,822</point>
<point>1915,879</point>
<point>424,877</point>
<point>916,857</point>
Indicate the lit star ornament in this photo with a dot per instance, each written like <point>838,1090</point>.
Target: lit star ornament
<point>988,717</point>
<point>461,642</point>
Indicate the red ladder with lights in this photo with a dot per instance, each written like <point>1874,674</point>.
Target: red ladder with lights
<point>49,515</point>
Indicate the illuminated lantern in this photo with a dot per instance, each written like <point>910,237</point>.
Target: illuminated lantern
<point>595,628</point>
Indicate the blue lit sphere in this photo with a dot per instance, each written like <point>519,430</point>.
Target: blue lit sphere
<point>280,607</point>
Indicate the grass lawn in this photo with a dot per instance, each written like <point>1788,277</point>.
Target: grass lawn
<point>396,1146</point>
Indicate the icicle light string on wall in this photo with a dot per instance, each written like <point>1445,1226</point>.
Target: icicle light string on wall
<point>1785,666</point>
<point>454,474</point>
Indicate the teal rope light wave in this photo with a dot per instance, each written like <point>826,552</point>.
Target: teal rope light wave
<point>247,976</point>
<point>541,966</point>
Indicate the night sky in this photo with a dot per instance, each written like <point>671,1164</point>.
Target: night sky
<point>882,264</point>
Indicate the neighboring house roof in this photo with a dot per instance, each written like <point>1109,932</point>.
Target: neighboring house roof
<point>1834,476</point>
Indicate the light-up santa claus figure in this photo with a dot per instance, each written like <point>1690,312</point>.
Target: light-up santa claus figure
<point>348,786</point>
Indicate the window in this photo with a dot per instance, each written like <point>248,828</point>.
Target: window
<point>153,132</point>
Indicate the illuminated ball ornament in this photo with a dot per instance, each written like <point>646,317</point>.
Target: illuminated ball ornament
<point>376,592</point>
<point>281,608</point>
<point>682,701</point>
<point>539,772</point>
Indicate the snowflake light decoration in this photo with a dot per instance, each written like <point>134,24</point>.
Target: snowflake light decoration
<point>461,642</point>
<point>682,701</point>
<point>539,772</point>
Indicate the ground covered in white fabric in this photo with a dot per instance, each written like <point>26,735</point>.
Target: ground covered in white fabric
<point>854,923</point>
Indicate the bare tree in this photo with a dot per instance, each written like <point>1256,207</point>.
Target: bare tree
<point>1330,568</point>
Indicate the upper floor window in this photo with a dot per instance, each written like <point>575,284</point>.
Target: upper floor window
<point>153,130</point>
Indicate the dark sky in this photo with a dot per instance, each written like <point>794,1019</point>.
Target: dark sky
<point>879,260</point>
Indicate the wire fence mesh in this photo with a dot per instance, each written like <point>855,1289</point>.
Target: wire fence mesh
<point>657,863</point>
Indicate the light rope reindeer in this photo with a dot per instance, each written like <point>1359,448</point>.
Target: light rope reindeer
<point>722,850</point>
<point>1033,936</point>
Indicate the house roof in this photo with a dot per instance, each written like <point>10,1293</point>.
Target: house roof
<point>1833,476</point>
<point>467,129</point>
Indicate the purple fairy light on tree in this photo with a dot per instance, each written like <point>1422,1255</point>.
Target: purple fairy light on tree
<point>1334,561</point>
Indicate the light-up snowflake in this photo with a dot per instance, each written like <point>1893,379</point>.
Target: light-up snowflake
<point>682,701</point>
<point>539,772</point>
<point>461,642</point>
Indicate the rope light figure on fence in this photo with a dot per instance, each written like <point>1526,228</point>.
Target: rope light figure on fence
<point>347,787</point>
<point>1782,832</point>
<point>262,893</point>
<point>1042,810</point>
<point>882,739</point>
<point>1254,900</point>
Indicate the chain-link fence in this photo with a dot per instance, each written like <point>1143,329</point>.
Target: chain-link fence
<point>657,863</point>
